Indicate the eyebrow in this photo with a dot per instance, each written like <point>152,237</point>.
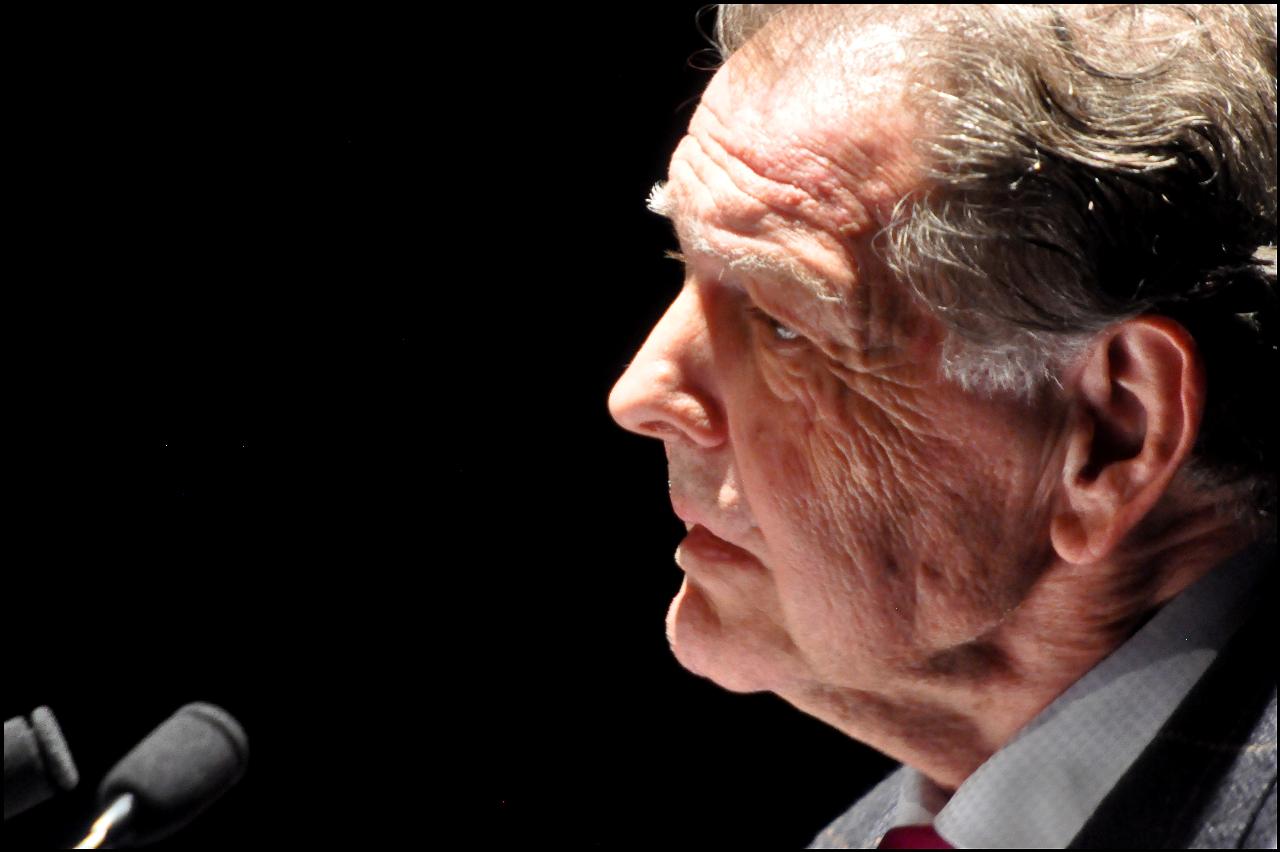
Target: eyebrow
<point>661,202</point>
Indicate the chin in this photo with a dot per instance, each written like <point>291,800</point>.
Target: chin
<point>699,643</point>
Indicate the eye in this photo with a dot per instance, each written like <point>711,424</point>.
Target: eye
<point>780,332</point>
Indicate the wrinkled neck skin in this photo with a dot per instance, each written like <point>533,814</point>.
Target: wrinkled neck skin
<point>979,695</point>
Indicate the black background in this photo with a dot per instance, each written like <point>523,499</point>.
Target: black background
<point>317,321</point>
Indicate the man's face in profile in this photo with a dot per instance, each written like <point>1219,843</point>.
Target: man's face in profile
<point>854,519</point>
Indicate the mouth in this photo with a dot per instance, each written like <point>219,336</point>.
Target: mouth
<point>706,546</point>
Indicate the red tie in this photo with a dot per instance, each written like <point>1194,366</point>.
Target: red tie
<point>913,837</point>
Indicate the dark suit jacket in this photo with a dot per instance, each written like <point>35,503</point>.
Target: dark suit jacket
<point>1207,780</point>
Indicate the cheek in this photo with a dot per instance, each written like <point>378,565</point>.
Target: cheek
<point>888,518</point>
<point>833,524</point>
<point>837,456</point>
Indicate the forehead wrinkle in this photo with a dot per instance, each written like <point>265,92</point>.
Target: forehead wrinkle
<point>841,336</point>
<point>683,206</point>
<point>816,186</point>
<point>843,177</point>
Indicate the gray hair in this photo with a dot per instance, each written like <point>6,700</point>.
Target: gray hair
<point>1085,166</point>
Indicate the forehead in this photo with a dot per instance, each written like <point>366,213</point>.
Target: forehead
<point>790,160</point>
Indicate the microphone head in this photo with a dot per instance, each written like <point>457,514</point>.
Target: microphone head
<point>181,768</point>
<point>57,757</point>
<point>37,762</point>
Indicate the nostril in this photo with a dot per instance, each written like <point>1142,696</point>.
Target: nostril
<point>659,429</point>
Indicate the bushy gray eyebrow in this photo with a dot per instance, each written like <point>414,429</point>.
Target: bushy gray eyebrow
<point>659,200</point>
<point>662,202</point>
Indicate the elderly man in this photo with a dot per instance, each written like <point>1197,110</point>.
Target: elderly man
<point>965,404</point>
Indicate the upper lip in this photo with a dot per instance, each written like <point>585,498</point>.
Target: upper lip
<point>692,516</point>
<point>686,512</point>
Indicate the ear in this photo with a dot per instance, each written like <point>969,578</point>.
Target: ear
<point>1138,397</point>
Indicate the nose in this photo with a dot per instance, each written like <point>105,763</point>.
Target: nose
<point>667,392</point>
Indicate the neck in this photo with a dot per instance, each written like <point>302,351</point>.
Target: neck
<point>946,720</point>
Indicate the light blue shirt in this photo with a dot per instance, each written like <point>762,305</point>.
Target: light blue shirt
<point>1039,790</point>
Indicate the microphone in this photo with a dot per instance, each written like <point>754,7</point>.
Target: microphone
<point>37,762</point>
<point>169,778</point>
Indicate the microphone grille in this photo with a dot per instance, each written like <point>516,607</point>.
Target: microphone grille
<point>57,756</point>
<point>37,762</point>
<point>181,768</point>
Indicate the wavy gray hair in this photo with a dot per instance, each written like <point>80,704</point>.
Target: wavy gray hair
<point>1086,165</point>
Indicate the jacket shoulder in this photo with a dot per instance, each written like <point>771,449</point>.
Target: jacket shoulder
<point>1242,809</point>
<point>1209,777</point>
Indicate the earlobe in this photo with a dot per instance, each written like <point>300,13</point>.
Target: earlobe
<point>1070,539</point>
<point>1137,399</point>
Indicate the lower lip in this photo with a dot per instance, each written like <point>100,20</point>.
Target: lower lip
<point>702,544</point>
